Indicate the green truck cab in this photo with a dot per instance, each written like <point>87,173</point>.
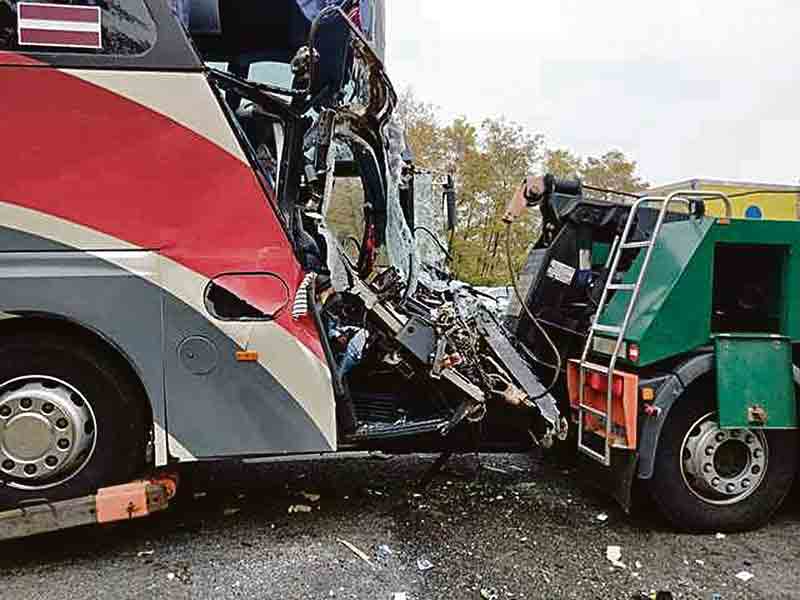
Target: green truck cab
<point>679,333</point>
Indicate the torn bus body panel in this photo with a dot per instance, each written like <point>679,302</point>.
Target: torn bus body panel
<point>418,352</point>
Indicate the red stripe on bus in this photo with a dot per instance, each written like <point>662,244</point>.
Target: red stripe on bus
<point>52,37</point>
<point>48,12</point>
<point>87,155</point>
<point>12,58</point>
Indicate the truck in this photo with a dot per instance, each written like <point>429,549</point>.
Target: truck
<point>679,333</point>
<point>173,291</point>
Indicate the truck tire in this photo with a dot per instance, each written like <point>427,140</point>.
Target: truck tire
<point>71,421</point>
<point>709,479</point>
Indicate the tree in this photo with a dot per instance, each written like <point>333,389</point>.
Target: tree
<point>562,163</point>
<point>490,173</point>
<point>424,134</point>
<point>489,162</point>
<point>613,170</point>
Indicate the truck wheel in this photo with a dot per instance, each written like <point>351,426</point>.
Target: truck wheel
<point>70,419</point>
<point>712,479</point>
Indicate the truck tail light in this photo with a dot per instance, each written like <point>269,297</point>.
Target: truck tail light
<point>633,352</point>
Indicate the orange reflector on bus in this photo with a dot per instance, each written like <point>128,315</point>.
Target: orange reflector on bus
<point>247,356</point>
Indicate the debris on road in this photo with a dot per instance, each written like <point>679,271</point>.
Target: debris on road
<point>299,508</point>
<point>490,594</point>
<point>744,575</point>
<point>355,550</point>
<point>495,469</point>
<point>311,497</point>
<point>228,512</point>
<point>602,517</point>
<point>384,551</point>
<point>720,536</point>
<point>614,554</point>
<point>400,596</point>
<point>423,564</point>
<point>145,553</point>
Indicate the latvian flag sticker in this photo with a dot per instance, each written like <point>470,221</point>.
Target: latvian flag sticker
<point>59,25</point>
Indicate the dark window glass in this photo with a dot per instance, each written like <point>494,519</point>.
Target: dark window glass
<point>126,27</point>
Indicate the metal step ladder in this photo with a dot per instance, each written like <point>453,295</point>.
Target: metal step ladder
<point>622,243</point>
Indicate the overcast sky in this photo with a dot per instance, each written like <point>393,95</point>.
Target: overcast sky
<point>688,88</point>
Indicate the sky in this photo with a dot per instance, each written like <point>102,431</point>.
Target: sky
<point>687,88</point>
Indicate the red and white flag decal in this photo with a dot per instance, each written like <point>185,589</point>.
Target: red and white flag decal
<point>59,25</point>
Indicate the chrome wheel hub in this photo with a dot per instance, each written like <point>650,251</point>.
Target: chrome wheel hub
<point>723,466</point>
<point>47,432</point>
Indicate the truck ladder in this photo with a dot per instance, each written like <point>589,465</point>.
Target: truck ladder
<point>619,331</point>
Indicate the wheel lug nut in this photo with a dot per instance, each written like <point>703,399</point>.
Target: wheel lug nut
<point>730,487</point>
<point>749,438</point>
<point>8,465</point>
<point>47,408</point>
<point>757,453</point>
<point>707,468</point>
<point>26,403</point>
<point>709,450</point>
<point>719,437</point>
<point>715,481</point>
<point>30,469</point>
<point>5,411</point>
<point>62,423</point>
<point>735,433</point>
<point>63,443</point>
<point>51,461</point>
<point>745,483</point>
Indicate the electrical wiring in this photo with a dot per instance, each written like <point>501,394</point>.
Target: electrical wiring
<point>607,191</point>
<point>754,192</point>
<point>435,239</point>
<point>515,286</point>
<point>795,191</point>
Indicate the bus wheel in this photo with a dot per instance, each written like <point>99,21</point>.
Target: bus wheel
<point>70,420</point>
<point>712,479</point>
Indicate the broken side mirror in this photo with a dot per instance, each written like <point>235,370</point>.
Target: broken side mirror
<point>246,296</point>
<point>450,201</point>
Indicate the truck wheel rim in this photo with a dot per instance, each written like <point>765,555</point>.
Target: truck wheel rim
<point>47,432</point>
<point>723,466</point>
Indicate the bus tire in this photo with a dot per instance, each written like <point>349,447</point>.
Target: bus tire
<point>707,479</point>
<point>71,420</point>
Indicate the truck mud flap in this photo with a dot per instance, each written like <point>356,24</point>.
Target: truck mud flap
<point>616,480</point>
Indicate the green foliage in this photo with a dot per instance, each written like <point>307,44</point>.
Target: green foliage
<point>611,171</point>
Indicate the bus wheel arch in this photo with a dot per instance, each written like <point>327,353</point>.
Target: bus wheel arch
<point>75,417</point>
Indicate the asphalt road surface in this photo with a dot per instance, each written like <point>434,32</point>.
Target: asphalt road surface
<point>515,528</point>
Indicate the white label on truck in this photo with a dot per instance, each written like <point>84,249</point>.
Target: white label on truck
<point>560,272</point>
<point>584,259</point>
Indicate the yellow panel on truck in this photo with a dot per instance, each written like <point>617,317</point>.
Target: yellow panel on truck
<point>762,200</point>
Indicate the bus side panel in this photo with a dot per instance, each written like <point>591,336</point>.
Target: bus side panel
<point>119,164</point>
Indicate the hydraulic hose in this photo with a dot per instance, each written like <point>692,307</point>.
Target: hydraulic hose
<point>515,286</point>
